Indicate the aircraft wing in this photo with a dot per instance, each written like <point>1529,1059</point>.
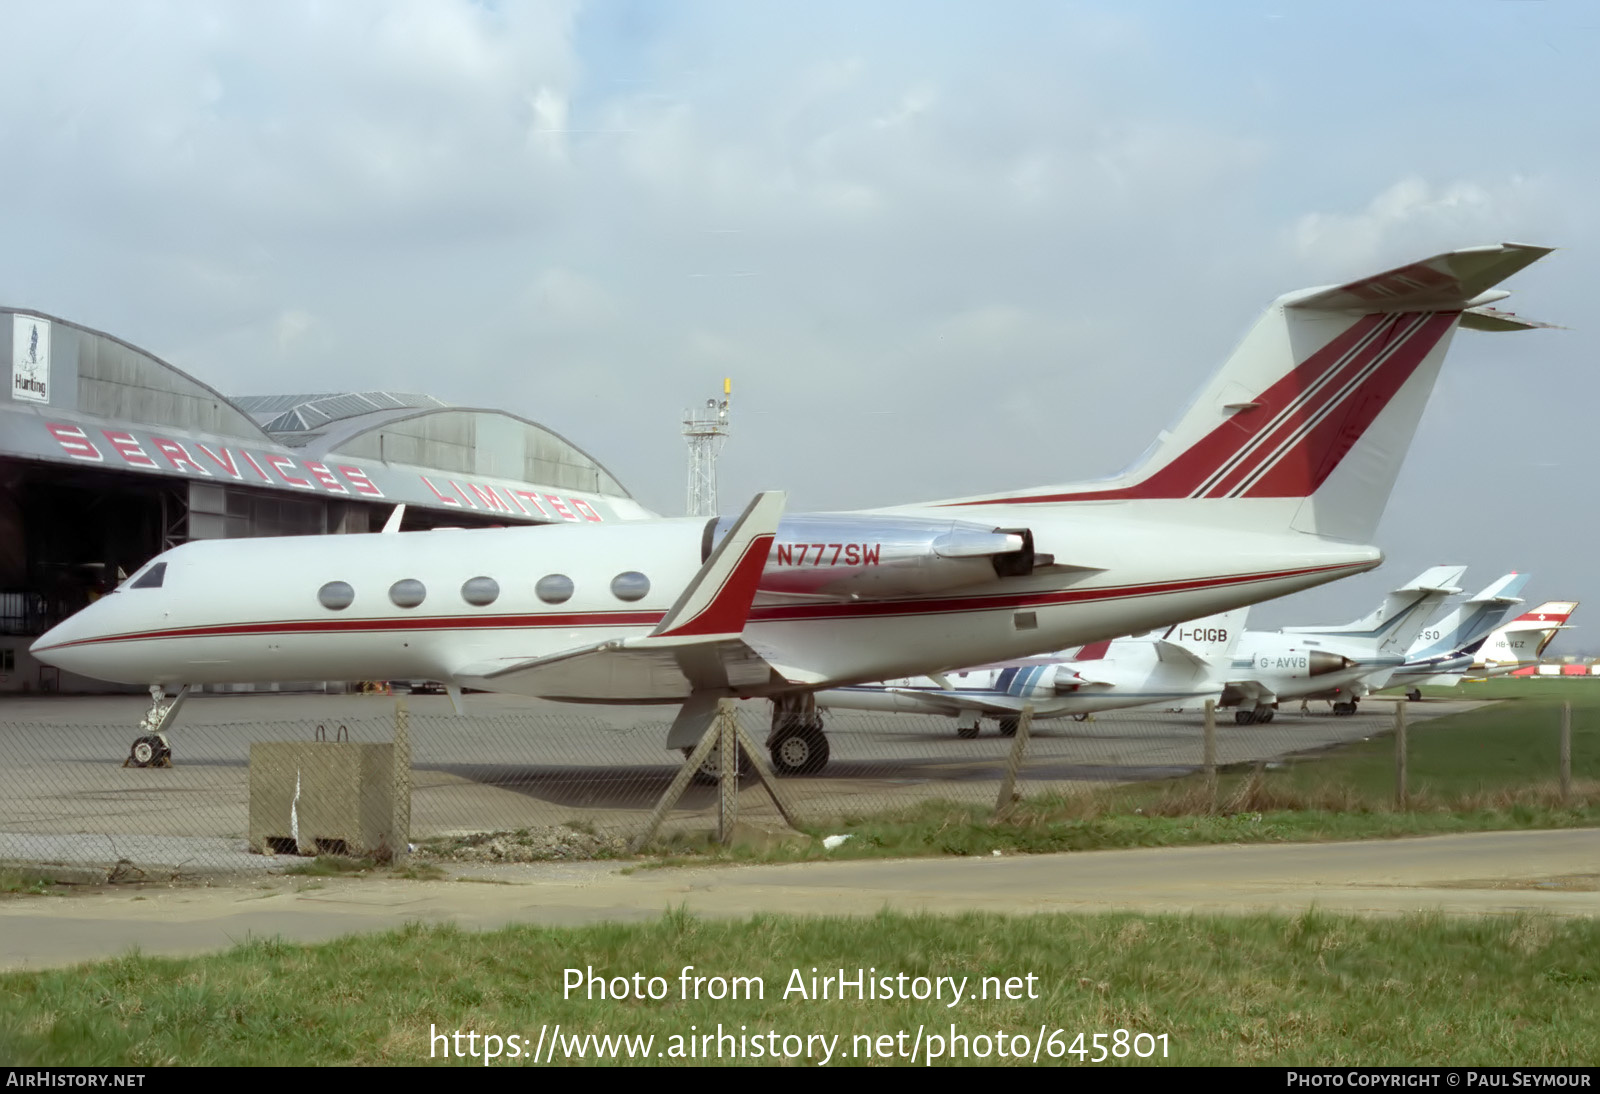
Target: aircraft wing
<point>993,702</point>
<point>634,668</point>
<point>697,646</point>
<point>1377,681</point>
<point>1253,690</point>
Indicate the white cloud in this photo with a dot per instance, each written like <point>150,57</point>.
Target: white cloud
<point>1415,214</point>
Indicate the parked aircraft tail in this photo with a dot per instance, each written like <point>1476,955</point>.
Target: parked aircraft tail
<point>1466,628</point>
<point>1212,639</point>
<point>1524,639</point>
<point>1306,424</point>
<point>1394,626</point>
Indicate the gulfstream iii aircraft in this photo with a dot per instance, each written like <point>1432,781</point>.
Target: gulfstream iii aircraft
<point>1181,667</point>
<point>1271,482</point>
<point>1445,651</point>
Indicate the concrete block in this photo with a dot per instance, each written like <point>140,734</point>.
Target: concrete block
<point>324,797</point>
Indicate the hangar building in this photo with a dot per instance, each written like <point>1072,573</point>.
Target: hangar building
<point>109,455</point>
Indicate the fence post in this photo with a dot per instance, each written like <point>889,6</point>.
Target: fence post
<point>1566,753</point>
<point>728,797</point>
<point>1209,758</point>
<point>1401,797</point>
<point>400,820</point>
<point>1019,745</point>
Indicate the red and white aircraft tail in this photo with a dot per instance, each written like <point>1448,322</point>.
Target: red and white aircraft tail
<point>1522,641</point>
<point>1306,424</point>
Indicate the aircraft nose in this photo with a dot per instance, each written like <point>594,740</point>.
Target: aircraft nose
<point>67,644</point>
<point>47,645</point>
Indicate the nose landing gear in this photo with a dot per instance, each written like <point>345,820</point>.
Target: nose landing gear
<point>151,748</point>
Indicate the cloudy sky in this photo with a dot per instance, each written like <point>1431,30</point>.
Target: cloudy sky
<point>941,248</point>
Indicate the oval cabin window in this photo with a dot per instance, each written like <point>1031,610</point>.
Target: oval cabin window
<point>407,593</point>
<point>554,588</point>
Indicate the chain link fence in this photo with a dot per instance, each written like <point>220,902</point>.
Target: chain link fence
<point>505,785</point>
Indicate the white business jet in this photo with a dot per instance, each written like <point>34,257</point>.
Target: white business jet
<point>1179,668</point>
<point>1339,664</point>
<point>1180,665</point>
<point>1271,482</point>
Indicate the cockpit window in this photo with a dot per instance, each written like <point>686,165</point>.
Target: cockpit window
<point>151,578</point>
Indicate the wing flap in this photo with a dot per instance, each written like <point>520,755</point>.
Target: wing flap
<point>631,669</point>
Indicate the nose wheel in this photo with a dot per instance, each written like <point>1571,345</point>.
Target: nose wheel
<point>149,751</point>
<point>151,748</point>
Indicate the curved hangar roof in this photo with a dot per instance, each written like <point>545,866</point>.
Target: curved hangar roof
<point>81,395</point>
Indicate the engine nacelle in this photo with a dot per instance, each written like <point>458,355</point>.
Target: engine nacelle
<point>857,555</point>
<point>1300,664</point>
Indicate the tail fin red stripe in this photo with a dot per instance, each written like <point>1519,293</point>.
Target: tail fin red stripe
<point>1301,470</point>
<point>1287,426</point>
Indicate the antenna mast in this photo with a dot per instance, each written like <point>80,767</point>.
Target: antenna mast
<point>705,429</point>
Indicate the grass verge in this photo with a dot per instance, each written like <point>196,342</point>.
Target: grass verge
<point>1489,769</point>
<point>1309,989</point>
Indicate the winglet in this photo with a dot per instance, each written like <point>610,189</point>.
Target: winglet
<point>717,602</point>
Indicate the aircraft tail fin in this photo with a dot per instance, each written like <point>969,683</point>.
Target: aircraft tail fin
<point>1526,637</point>
<point>1396,623</point>
<point>1212,639</point>
<point>1466,628</point>
<point>1306,424</point>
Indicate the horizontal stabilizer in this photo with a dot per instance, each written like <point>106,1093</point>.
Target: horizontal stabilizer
<point>1505,591</point>
<point>1490,319</point>
<point>1453,281</point>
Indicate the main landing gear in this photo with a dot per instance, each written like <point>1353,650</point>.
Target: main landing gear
<point>1246,716</point>
<point>1344,709</point>
<point>1414,694</point>
<point>151,748</point>
<point>710,772</point>
<point>797,743</point>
